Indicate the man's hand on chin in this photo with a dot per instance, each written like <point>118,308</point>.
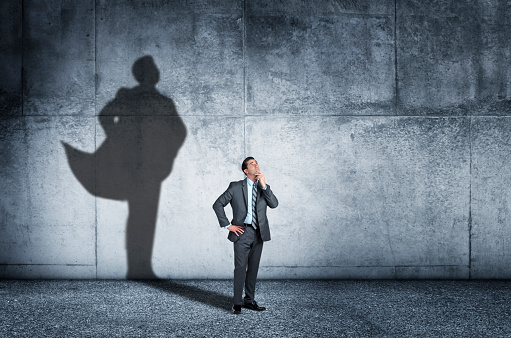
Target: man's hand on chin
<point>260,176</point>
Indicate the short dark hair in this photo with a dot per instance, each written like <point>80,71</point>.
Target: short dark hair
<point>245,163</point>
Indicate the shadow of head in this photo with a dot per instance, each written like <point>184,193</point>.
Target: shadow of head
<point>145,71</point>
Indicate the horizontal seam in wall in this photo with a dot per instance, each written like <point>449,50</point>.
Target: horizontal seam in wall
<point>47,265</point>
<point>360,266</point>
<point>326,16</point>
<point>271,115</point>
<point>338,115</point>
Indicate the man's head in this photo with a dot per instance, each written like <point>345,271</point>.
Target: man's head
<point>250,167</point>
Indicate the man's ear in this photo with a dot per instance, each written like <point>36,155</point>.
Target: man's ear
<point>245,171</point>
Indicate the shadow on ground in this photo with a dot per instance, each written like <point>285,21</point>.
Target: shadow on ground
<point>207,297</point>
<point>295,308</point>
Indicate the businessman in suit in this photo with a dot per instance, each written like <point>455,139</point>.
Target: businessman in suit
<point>249,228</point>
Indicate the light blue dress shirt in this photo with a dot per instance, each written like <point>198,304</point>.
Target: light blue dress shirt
<point>250,188</point>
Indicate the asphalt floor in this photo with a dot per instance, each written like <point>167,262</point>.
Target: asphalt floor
<point>295,308</point>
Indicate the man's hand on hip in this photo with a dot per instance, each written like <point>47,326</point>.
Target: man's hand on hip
<point>238,230</point>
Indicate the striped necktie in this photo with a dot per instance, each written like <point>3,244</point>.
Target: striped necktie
<point>254,200</point>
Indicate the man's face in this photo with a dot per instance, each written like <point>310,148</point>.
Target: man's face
<point>252,168</point>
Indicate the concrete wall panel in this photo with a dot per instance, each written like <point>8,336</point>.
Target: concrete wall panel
<point>58,57</point>
<point>491,197</point>
<point>320,8</point>
<point>198,50</point>
<point>11,56</point>
<point>15,190</point>
<point>46,219</point>
<point>365,192</point>
<point>300,63</point>
<point>188,242</point>
<point>452,57</point>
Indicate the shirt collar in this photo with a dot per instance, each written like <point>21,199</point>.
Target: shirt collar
<point>250,183</point>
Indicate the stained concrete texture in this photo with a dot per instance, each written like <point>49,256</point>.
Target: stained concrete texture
<point>320,9</point>
<point>58,57</point>
<point>198,44</point>
<point>491,200</point>
<point>187,231</point>
<point>359,194</point>
<point>301,63</point>
<point>453,57</point>
<point>194,308</point>
<point>38,226</point>
<point>11,55</point>
<point>374,122</point>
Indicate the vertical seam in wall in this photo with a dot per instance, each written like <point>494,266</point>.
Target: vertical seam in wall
<point>22,58</point>
<point>396,90</point>
<point>470,201</point>
<point>95,138</point>
<point>243,37</point>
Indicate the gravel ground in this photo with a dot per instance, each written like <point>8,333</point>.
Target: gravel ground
<point>295,308</point>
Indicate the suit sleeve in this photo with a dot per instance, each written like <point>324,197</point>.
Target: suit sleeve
<point>270,198</point>
<point>219,205</point>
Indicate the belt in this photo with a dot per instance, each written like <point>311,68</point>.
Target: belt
<point>250,226</point>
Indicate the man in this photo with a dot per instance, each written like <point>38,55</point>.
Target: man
<point>248,230</point>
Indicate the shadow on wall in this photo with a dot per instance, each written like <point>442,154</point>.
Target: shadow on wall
<point>143,135</point>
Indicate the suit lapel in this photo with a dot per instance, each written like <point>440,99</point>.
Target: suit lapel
<point>245,192</point>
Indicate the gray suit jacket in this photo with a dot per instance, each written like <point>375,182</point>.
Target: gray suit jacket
<point>237,194</point>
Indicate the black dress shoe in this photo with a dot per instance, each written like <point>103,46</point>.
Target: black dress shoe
<point>254,306</point>
<point>236,309</point>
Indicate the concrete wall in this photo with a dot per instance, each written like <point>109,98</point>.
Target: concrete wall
<point>383,127</point>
